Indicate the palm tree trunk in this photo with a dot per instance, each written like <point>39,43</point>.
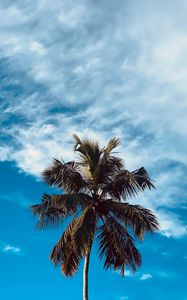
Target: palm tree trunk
<point>85,275</point>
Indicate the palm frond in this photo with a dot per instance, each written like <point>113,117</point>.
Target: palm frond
<point>77,142</point>
<point>139,218</point>
<point>127,184</point>
<point>54,208</point>
<point>122,184</point>
<point>112,144</point>
<point>143,179</point>
<point>74,242</point>
<point>65,176</point>
<point>107,166</point>
<point>89,152</point>
<point>84,231</point>
<point>116,247</point>
<point>65,251</point>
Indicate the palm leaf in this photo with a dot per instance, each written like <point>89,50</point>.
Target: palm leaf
<point>85,229</point>
<point>65,176</point>
<point>107,166</point>
<point>66,253</point>
<point>54,208</point>
<point>89,152</point>
<point>116,247</point>
<point>74,242</point>
<point>143,179</point>
<point>127,184</point>
<point>136,216</point>
<point>112,144</point>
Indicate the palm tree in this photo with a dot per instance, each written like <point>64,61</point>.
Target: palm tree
<point>95,193</point>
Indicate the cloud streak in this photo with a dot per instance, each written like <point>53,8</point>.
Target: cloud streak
<point>145,276</point>
<point>9,249</point>
<point>96,73</point>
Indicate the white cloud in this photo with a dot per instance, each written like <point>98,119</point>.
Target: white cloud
<point>4,153</point>
<point>11,249</point>
<point>72,17</point>
<point>171,225</point>
<point>128,273</point>
<point>166,275</point>
<point>124,77</point>
<point>38,48</point>
<point>145,276</point>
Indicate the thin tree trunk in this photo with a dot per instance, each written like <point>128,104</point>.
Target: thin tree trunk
<point>85,275</point>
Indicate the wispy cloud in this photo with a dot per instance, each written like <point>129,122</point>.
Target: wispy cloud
<point>171,225</point>
<point>9,249</point>
<point>166,274</point>
<point>128,273</point>
<point>146,276</point>
<point>101,78</point>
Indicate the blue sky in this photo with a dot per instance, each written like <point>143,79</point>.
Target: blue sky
<point>101,69</point>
